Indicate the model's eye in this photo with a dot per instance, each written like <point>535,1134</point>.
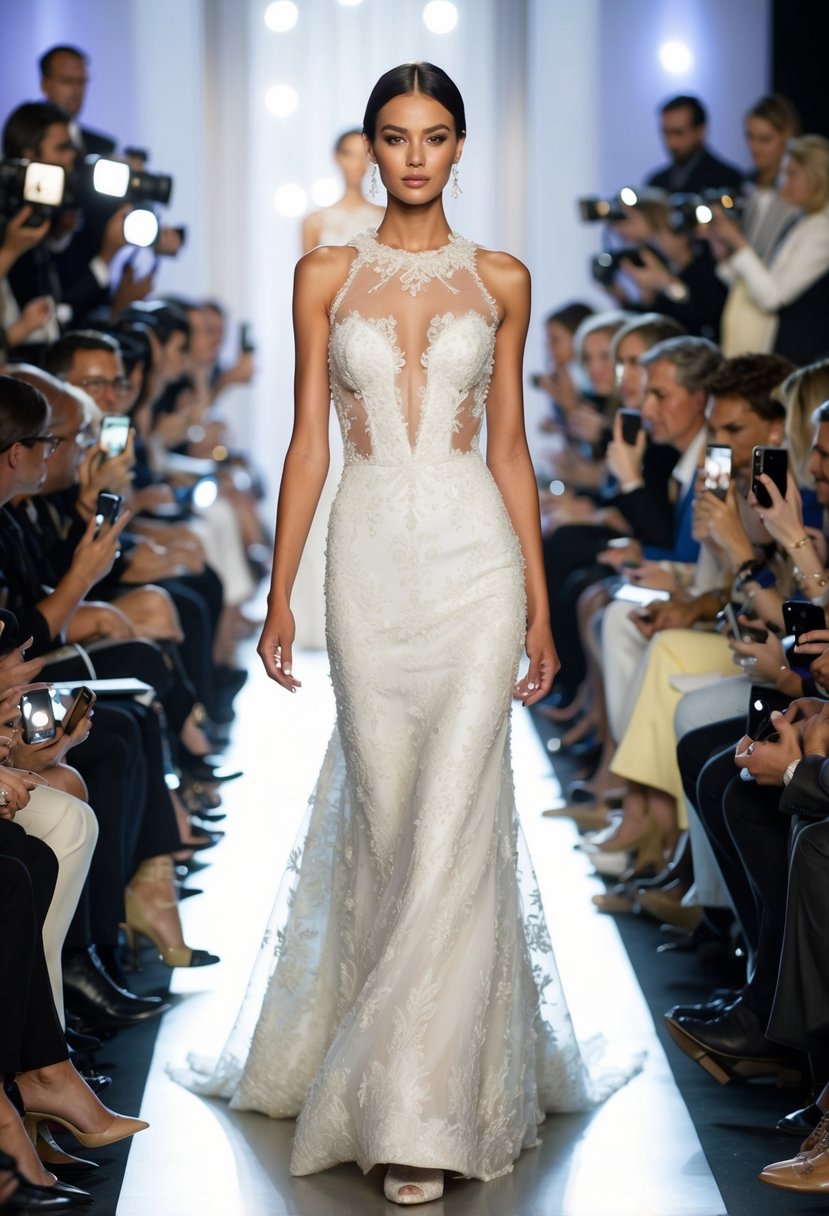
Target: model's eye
<point>437,139</point>
<point>394,139</point>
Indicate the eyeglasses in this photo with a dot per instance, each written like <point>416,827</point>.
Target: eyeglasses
<point>50,443</point>
<point>120,385</point>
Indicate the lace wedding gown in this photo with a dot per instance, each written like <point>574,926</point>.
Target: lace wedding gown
<point>406,1004</point>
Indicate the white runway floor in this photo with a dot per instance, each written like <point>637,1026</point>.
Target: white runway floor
<point>638,1155</point>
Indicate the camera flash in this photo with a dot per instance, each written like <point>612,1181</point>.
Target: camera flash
<point>140,227</point>
<point>111,177</point>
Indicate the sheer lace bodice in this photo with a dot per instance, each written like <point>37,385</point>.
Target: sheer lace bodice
<point>433,356</point>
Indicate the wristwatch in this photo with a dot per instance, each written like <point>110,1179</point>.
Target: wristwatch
<point>677,291</point>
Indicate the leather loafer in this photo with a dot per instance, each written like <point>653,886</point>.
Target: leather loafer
<point>707,1011</point>
<point>733,1046</point>
<point>801,1123</point>
<point>94,996</point>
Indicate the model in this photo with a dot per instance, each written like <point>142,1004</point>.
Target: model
<point>412,1014</point>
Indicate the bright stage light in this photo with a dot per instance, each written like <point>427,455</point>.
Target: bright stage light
<point>290,200</point>
<point>628,196</point>
<point>140,228</point>
<point>281,16</point>
<point>325,191</point>
<point>440,16</point>
<point>676,58</point>
<point>281,100</point>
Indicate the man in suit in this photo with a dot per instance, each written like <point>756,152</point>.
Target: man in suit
<point>64,75</point>
<point>693,167</point>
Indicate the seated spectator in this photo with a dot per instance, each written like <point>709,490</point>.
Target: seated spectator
<point>693,167</point>
<point>564,382</point>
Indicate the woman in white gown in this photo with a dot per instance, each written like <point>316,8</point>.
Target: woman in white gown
<point>332,225</point>
<point>412,1014</point>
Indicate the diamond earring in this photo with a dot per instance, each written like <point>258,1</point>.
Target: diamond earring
<point>372,189</point>
<point>456,191</point>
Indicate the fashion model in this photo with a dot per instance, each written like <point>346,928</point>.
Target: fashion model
<point>332,225</point>
<point>412,1015</point>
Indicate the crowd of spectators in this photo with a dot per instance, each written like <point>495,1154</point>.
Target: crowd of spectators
<point>684,486</point>
<point>130,545</point>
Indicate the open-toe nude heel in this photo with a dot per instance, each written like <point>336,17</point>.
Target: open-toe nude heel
<point>429,1184</point>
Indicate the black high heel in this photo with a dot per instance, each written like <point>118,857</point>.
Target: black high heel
<point>29,1197</point>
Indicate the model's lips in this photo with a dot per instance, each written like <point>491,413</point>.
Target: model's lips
<point>415,181</point>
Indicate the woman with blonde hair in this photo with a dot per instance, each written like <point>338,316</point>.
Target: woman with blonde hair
<point>781,306</point>
<point>801,393</point>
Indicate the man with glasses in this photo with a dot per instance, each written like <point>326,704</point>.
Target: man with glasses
<point>684,126</point>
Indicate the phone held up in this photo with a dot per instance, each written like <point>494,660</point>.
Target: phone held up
<point>107,509</point>
<point>762,703</point>
<point>115,431</point>
<point>740,632</point>
<point>631,425</point>
<point>799,617</point>
<point>246,343</point>
<point>82,702</point>
<point>716,475</point>
<point>774,462</point>
<point>38,714</point>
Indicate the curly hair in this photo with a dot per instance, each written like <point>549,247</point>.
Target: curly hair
<point>754,378</point>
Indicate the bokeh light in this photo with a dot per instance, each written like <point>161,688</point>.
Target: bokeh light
<point>281,100</point>
<point>440,16</point>
<point>676,58</point>
<point>325,191</point>
<point>281,16</point>
<point>290,200</point>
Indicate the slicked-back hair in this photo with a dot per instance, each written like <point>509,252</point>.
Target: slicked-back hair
<point>23,411</point>
<point>753,378</point>
<point>47,59</point>
<point>60,355</point>
<point>695,360</point>
<point>415,77</point>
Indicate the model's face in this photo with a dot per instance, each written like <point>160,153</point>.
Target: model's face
<point>559,344</point>
<point>56,147</point>
<point>819,463</point>
<point>672,413</point>
<point>66,82</point>
<point>766,145</point>
<point>735,425</point>
<point>101,374</point>
<point>796,188</point>
<point>415,146</point>
<point>597,363</point>
<point>630,377</point>
<point>679,135</point>
<point>352,160</point>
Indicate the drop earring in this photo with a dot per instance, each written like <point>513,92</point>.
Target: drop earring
<point>456,191</point>
<point>372,189</point>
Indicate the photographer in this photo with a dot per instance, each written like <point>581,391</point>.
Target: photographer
<point>782,306</point>
<point>684,126</point>
<point>18,325</point>
<point>64,75</point>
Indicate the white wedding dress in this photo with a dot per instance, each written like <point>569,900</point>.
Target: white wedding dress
<point>406,1005</point>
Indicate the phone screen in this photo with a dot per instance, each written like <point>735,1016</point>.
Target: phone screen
<point>717,471</point>
<point>38,716</point>
<point>633,593</point>
<point>115,430</point>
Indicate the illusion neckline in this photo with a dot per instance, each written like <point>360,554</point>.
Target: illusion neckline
<point>412,253</point>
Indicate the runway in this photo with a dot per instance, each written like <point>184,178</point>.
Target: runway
<point>637,1155</point>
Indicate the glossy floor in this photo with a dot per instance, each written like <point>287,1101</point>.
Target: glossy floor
<point>638,1155</point>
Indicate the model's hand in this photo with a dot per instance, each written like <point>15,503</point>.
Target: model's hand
<point>544,664</point>
<point>276,646</point>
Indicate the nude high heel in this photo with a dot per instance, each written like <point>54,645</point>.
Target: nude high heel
<point>163,930</point>
<point>119,1129</point>
<point>428,1182</point>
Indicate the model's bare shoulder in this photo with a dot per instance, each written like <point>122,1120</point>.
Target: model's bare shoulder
<point>505,278</point>
<point>321,273</point>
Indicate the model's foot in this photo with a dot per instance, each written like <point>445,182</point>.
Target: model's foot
<point>407,1184</point>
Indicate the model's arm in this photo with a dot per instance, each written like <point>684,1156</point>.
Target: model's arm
<point>318,275</point>
<point>508,458</point>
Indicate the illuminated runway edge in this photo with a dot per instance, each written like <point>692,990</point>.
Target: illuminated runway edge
<point>637,1155</point>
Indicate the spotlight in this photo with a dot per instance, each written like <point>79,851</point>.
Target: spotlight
<point>676,58</point>
<point>440,16</point>
<point>290,200</point>
<point>325,191</point>
<point>281,16</point>
<point>281,100</point>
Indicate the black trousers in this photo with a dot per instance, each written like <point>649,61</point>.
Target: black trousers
<point>570,567</point>
<point>30,1033</point>
<point>800,1012</point>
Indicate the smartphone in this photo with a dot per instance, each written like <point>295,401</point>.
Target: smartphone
<point>743,633</point>
<point>799,617</point>
<point>107,509</point>
<point>82,702</point>
<point>631,425</point>
<point>115,431</point>
<point>634,593</point>
<point>717,470</point>
<point>38,715</point>
<point>774,462</point>
<point>761,704</point>
<point>246,344</point>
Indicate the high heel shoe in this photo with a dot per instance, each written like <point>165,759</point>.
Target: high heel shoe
<point>119,1129</point>
<point>30,1197</point>
<point>428,1182</point>
<point>173,953</point>
<point>64,1165</point>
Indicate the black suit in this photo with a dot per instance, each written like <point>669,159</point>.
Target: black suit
<point>704,171</point>
<point>96,143</point>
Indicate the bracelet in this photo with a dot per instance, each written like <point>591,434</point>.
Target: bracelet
<point>818,577</point>
<point>798,544</point>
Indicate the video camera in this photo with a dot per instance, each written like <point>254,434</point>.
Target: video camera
<point>32,183</point>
